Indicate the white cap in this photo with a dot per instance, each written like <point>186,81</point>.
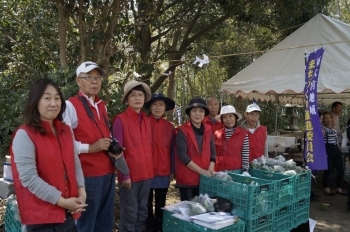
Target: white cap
<point>228,109</point>
<point>252,107</point>
<point>87,66</point>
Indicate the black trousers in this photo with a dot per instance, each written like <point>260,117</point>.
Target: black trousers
<point>67,226</point>
<point>335,160</point>
<point>187,193</point>
<point>155,221</point>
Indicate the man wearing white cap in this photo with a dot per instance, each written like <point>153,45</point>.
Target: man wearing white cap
<point>256,132</point>
<point>87,115</point>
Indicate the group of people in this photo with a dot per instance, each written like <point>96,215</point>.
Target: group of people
<point>336,141</point>
<point>65,156</point>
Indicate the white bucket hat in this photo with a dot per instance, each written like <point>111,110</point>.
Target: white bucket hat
<point>228,110</point>
<point>252,107</point>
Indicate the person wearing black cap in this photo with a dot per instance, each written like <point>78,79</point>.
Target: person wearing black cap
<point>195,150</point>
<point>163,156</point>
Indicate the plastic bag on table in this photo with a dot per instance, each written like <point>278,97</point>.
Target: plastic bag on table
<point>196,208</point>
<point>279,169</point>
<point>299,170</point>
<point>280,158</point>
<point>256,164</point>
<point>222,176</point>
<point>290,172</point>
<point>290,165</point>
<point>206,201</point>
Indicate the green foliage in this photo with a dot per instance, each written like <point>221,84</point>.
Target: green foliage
<point>143,36</point>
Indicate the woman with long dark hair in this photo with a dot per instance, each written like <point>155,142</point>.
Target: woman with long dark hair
<point>46,169</point>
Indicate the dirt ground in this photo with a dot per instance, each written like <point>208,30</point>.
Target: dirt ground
<point>336,218</point>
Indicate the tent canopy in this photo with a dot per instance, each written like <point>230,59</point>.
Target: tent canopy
<point>279,74</point>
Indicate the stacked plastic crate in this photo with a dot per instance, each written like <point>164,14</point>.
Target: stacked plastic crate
<point>265,201</point>
<point>253,198</point>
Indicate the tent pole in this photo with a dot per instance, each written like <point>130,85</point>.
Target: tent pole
<point>276,115</point>
<point>276,118</point>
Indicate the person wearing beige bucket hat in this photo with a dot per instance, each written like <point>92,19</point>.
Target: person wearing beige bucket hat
<point>195,150</point>
<point>257,133</point>
<point>132,129</point>
<point>137,85</point>
<point>231,142</point>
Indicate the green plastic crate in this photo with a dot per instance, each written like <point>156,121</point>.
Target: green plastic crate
<point>301,209</point>
<point>283,219</point>
<point>263,223</point>
<point>173,224</point>
<point>248,200</point>
<point>284,185</point>
<point>12,220</point>
<point>302,185</point>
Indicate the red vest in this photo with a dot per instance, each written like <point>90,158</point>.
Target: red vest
<point>184,175</point>
<point>229,154</point>
<point>214,126</point>
<point>257,143</point>
<point>138,145</point>
<point>55,164</point>
<point>162,137</point>
<point>93,164</point>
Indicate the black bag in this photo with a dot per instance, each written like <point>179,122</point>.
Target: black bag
<point>223,205</point>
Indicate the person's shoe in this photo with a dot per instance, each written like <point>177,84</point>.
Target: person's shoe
<point>341,193</point>
<point>329,194</point>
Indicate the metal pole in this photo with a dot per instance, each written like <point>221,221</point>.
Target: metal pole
<point>276,118</point>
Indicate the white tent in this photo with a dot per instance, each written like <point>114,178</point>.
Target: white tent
<point>280,72</point>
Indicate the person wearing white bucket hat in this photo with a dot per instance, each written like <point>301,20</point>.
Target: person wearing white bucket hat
<point>132,129</point>
<point>231,142</point>
<point>256,132</point>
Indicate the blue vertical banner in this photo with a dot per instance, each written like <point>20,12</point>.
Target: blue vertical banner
<point>314,150</point>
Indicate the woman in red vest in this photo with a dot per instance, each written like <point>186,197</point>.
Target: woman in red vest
<point>46,169</point>
<point>133,131</point>
<point>231,142</point>
<point>163,156</point>
<point>195,150</point>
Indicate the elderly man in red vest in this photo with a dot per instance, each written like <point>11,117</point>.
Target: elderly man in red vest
<point>256,132</point>
<point>210,120</point>
<point>87,115</point>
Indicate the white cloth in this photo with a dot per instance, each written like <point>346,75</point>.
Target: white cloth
<point>344,141</point>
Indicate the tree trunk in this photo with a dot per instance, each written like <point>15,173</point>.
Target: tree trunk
<point>65,12</point>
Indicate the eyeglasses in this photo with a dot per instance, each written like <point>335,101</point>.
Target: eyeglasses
<point>137,95</point>
<point>254,114</point>
<point>91,78</point>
